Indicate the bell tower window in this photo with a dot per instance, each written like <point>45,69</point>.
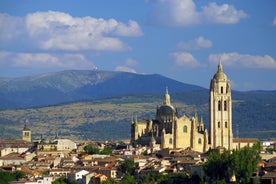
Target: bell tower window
<point>225,105</point>
<point>218,124</point>
<point>185,129</point>
<point>221,89</point>
<point>219,105</point>
<point>226,124</point>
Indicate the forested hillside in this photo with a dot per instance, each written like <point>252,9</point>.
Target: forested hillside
<point>109,119</point>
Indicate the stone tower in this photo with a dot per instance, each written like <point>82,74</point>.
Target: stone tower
<point>26,133</point>
<point>220,111</point>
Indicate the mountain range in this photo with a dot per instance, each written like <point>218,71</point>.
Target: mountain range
<point>75,85</point>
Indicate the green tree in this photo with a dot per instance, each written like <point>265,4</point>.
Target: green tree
<point>6,177</point>
<point>128,166</point>
<point>242,163</point>
<point>163,178</point>
<point>148,179</point>
<point>245,162</point>
<point>18,175</point>
<point>61,180</point>
<point>107,150</point>
<point>91,149</point>
<point>128,179</point>
<point>218,166</point>
<point>110,181</point>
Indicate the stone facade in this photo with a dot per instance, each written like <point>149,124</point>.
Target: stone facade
<point>26,133</point>
<point>168,130</point>
<point>220,111</point>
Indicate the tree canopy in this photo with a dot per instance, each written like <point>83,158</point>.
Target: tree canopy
<point>93,150</point>
<point>239,163</point>
<point>6,177</point>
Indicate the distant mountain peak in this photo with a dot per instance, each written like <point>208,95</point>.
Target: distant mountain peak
<point>73,85</point>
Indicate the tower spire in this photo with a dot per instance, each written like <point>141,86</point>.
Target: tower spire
<point>167,100</point>
<point>25,124</point>
<point>220,65</point>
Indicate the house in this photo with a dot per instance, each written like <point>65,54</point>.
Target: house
<point>87,178</point>
<point>14,146</point>
<point>99,178</point>
<point>269,177</point>
<point>59,172</point>
<point>76,176</point>
<point>66,144</point>
<point>12,159</point>
<point>109,172</point>
<point>45,180</point>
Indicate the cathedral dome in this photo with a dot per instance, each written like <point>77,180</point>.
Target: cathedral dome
<point>166,110</point>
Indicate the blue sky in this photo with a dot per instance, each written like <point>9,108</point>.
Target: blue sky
<point>180,39</point>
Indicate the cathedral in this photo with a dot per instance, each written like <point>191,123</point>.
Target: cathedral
<point>169,130</point>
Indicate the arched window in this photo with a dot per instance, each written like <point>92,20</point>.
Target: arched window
<point>225,124</point>
<point>185,129</point>
<point>221,89</point>
<point>218,124</point>
<point>170,140</point>
<point>225,105</point>
<point>199,141</point>
<point>219,105</point>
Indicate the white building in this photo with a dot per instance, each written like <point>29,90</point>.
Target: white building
<point>75,176</point>
<point>66,144</point>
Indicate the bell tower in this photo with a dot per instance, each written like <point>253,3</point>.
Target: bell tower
<point>26,133</point>
<point>220,111</point>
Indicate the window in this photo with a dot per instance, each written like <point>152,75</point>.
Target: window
<point>221,89</point>
<point>225,105</point>
<point>218,124</point>
<point>219,105</point>
<point>185,129</point>
<point>225,124</point>
<point>170,141</point>
<point>199,141</point>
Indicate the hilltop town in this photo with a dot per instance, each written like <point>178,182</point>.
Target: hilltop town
<point>169,148</point>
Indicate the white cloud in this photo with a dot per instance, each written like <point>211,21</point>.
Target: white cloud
<point>243,60</point>
<point>11,28</point>
<point>185,13</point>
<point>125,69</point>
<point>131,62</point>
<point>274,22</point>
<point>43,61</point>
<point>184,59</point>
<point>174,13</point>
<point>224,14</point>
<point>60,31</point>
<point>196,44</point>
<point>132,29</point>
<point>204,43</point>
